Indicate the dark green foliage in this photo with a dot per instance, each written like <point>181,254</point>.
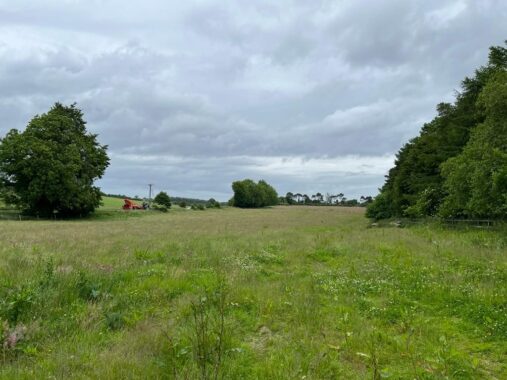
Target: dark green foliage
<point>431,176</point>
<point>114,320</point>
<point>476,180</point>
<point>159,207</point>
<point>212,203</point>
<point>51,166</point>
<point>289,198</point>
<point>248,194</point>
<point>182,204</point>
<point>163,199</point>
<point>87,289</point>
<point>380,208</point>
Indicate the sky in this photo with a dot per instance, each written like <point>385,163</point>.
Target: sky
<point>312,96</point>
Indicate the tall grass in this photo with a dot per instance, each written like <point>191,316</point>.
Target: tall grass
<point>282,293</point>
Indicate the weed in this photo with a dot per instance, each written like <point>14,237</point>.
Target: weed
<point>209,330</point>
<point>114,320</point>
<point>88,290</point>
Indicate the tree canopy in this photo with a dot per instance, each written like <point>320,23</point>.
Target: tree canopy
<point>248,194</point>
<point>52,165</point>
<point>163,199</point>
<point>456,166</point>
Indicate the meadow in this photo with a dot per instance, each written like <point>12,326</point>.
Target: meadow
<point>276,293</point>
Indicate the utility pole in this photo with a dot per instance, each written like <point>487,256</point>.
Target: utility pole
<point>149,197</point>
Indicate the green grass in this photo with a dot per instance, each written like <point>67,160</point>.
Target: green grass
<point>280,293</point>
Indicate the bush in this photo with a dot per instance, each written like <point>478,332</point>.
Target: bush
<point>159,207</point>
<point>183,204</point>
<point>212,203</point>
<point>380,208</point>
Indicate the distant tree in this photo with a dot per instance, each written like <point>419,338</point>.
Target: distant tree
<point>163,199</point>
<point>269,196</point>
<point>248,194</point>
<point>317,198</point>
<point>212,203</point>
<point>52,165</point>
<point>183,204</point>
<point>289,198</point>
<point>365,200</point>
<point>350,202</point>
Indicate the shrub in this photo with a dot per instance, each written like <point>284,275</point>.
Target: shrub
<point>159,207</point>
<point>212,203</point>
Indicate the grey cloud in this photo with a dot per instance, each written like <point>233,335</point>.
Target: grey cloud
<point>193,95</point>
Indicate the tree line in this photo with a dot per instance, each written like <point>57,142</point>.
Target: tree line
<point>324,199</point>
<point>457,166</point>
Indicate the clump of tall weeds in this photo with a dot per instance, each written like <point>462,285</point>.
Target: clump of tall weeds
<point>208,334</point>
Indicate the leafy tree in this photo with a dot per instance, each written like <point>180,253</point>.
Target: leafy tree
<point>380,208</point>
<point>52,165</point>
<point>268,195</point>
<point>415,185</point>
<point>183,204</point>
<point>476,180</point>
<point>212,203</point>
<point>163,199</point>
<point>248,194</point>
<point>365,199</point>
<point>289,198</point>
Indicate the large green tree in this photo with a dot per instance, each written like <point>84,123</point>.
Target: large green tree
<point>476,179</point>
<point>415,185</point>
<point>52,165</point>
<point>248,194</point>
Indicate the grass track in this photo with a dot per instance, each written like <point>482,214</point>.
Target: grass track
<point>312,293</point>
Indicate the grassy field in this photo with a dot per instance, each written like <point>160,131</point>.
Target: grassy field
<point>280,293</point>
<point>110,203</point>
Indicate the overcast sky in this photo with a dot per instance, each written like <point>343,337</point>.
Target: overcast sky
<point>191,95</point>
